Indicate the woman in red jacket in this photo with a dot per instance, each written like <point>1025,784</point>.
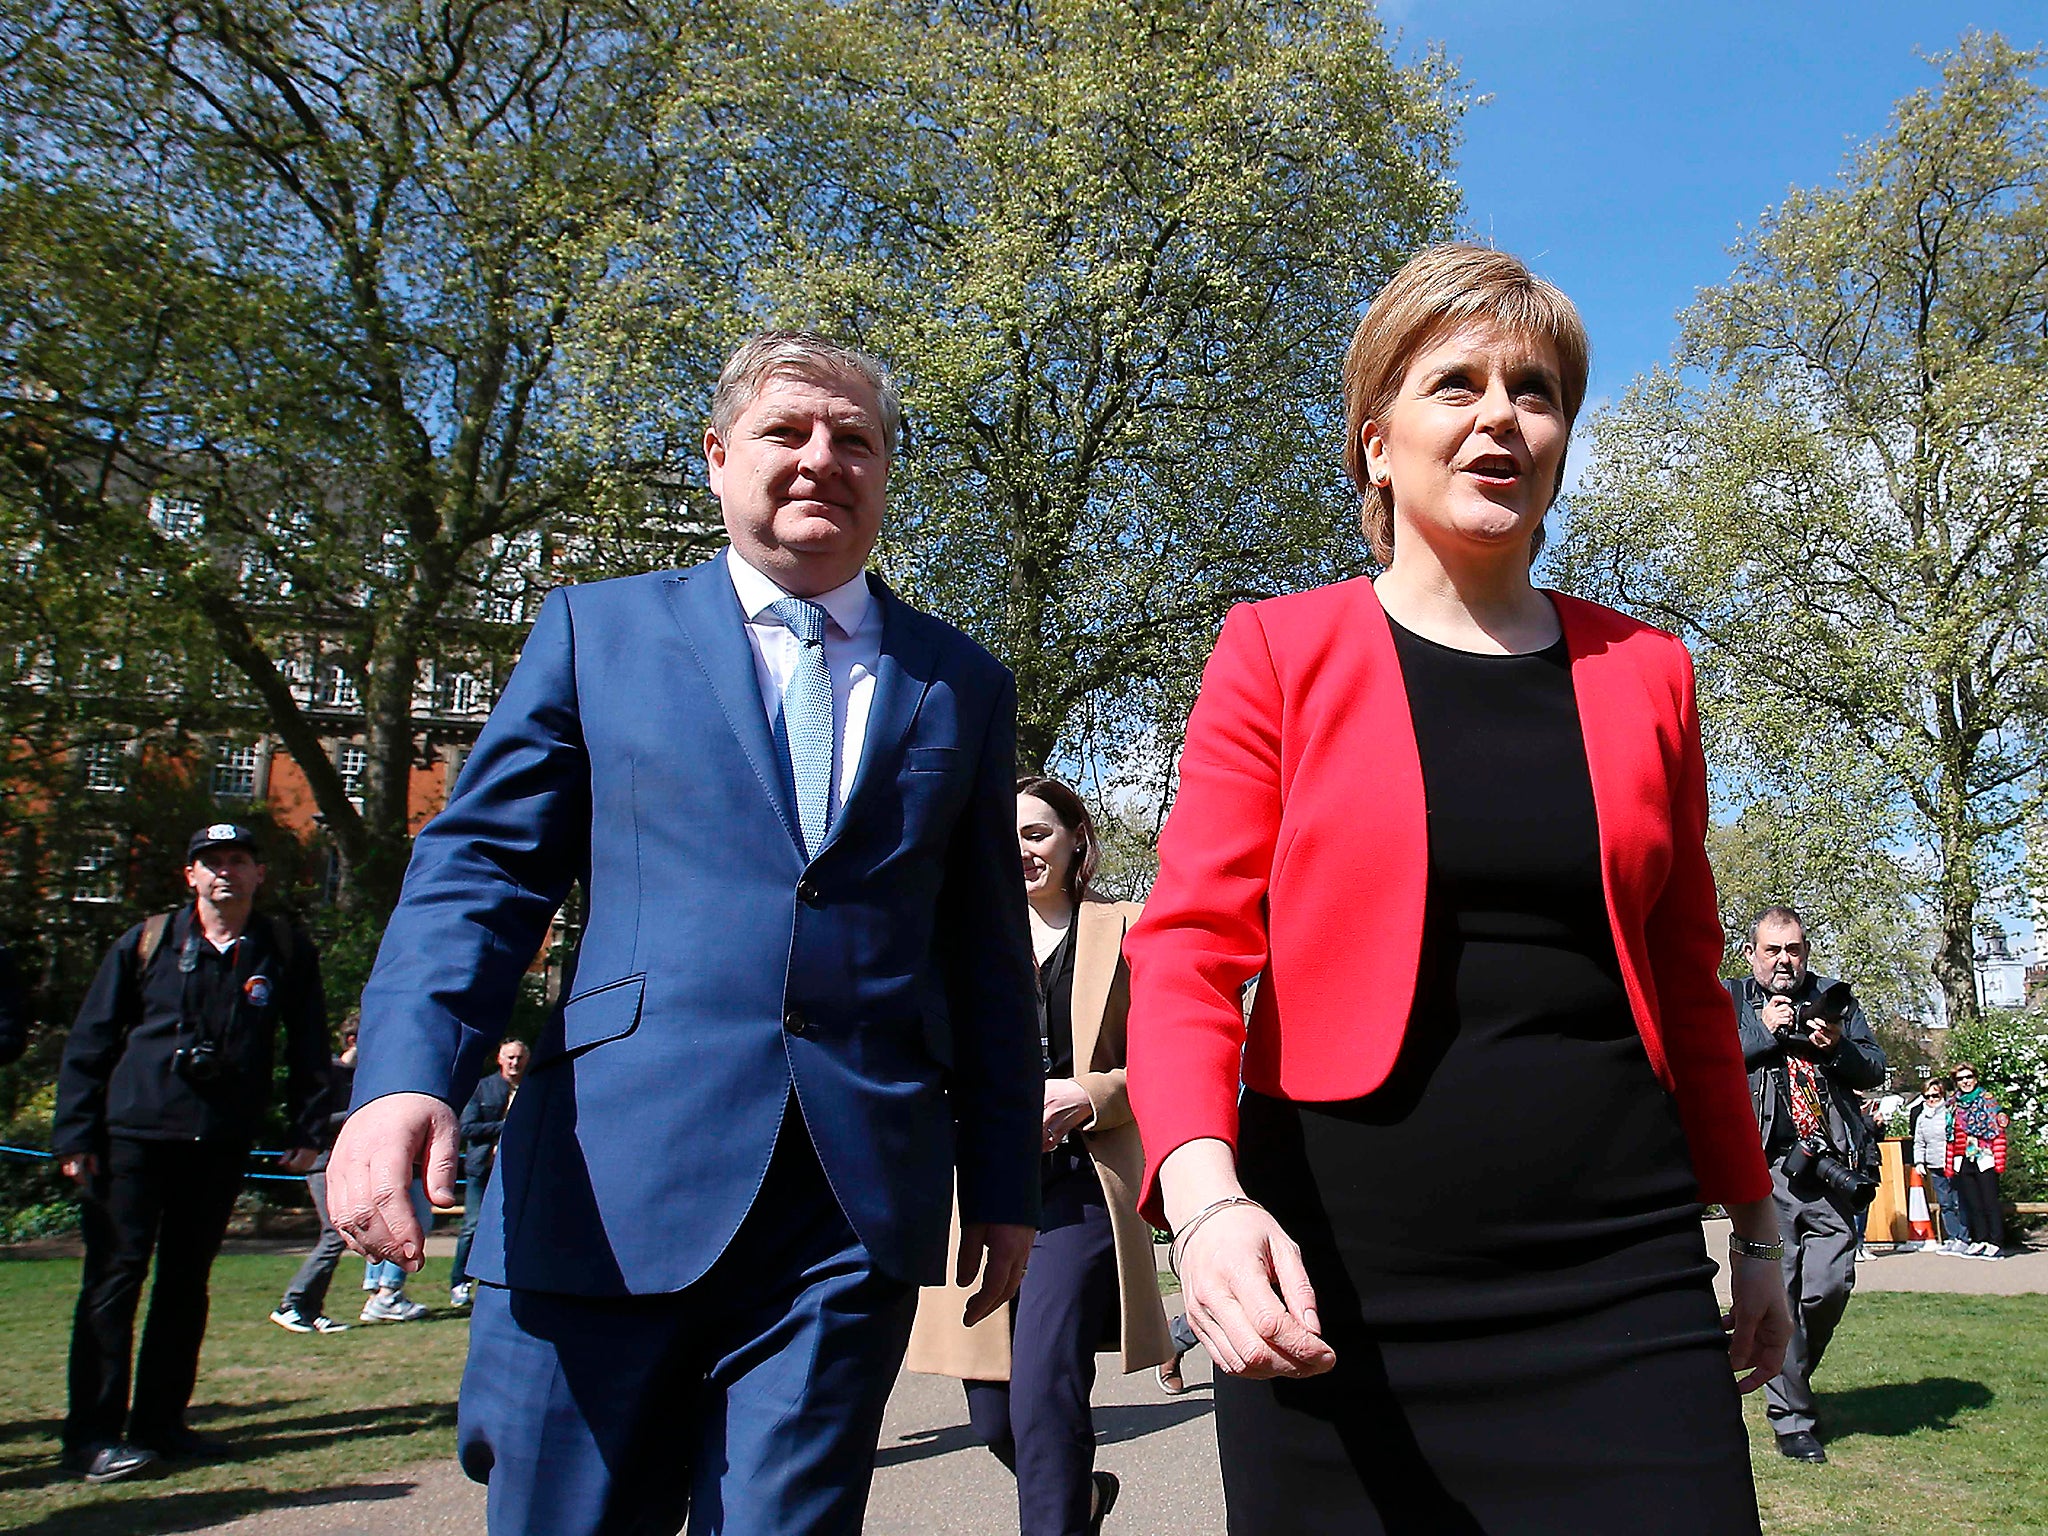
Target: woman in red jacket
<point>1445,1244</point>
<point>1976,1159</point>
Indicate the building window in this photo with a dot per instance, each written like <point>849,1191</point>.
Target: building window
<point>103,766</point>
<point>465,694</point>
<point>175,517</point>
<point>234,772</point>
<point>337,689</point>
<point>96,871</point>
<point>353,762</point>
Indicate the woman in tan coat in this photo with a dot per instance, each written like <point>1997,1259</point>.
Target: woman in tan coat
<point>1092,1280</point>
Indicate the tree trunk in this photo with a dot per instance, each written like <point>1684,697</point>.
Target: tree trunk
<point>1955,955</point>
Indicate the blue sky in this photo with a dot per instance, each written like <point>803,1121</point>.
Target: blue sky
<point>1626,145</point>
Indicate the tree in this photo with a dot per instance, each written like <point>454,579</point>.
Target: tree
<point>284,290</point>
<point>1837,494</point>
<point>1114,249</point>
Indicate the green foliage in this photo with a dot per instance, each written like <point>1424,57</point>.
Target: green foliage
<point>2010,1052</point>
<point>1836,495</point>
<point>304,274</point>
<point>1114,248</point>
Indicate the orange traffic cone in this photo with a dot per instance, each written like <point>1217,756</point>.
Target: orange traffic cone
<point>1918,1218</point>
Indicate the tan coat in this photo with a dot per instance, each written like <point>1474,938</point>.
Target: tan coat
<point>939,1345</point>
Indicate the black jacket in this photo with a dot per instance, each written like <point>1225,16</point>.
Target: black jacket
<point>117,1077</point>
<point>483,1121</point>
<point>13,1011</point>
<point>1855,1062</point>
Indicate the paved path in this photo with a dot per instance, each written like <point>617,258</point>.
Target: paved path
<point>933,1480</point>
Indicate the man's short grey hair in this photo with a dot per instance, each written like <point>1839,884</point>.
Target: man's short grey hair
<point>1775,914</point>
<point>802,354</point>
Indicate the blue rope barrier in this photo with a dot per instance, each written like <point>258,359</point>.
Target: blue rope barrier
<point>279,1178</point>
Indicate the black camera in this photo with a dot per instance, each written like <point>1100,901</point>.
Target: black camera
<point>199,1063</point>
<point>1829,1005</point>
<point>1812,1161</point>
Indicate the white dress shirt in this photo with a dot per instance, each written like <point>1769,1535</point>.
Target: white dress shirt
<point>853,650</point>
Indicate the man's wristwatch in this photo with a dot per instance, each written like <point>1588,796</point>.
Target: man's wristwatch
<point>1743,1248</point>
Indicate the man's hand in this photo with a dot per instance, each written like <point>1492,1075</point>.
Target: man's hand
<point>298,1160</point>
<point>1825,1034</point>
<point>1779,1014</point>
<point>1008,1249</point>
<point>80,1168</point>
<point>1067,1108</point>
<point>369,1174</point>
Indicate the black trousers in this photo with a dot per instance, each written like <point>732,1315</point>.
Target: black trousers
<point>1977,1188</point>
<point>167,1198</point>
<point>1037,1422</point>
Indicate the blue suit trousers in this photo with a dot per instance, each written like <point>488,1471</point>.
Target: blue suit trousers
<point>748,1403</point>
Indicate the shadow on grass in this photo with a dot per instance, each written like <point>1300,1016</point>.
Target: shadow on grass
<point>257,1442</point>
<point>1901,1407</point>
<point>193,1511</point>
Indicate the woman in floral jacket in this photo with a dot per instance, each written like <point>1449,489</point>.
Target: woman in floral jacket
<point>1976,1157</point>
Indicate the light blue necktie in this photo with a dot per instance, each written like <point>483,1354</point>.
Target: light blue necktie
<point>807,719</point>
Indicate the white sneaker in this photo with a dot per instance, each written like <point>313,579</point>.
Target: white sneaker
<point>399,1309</point>
<point>461,1295</point>
<point>1954,1247</point>
<point>292,1320</point>
<point>1989,1251</point>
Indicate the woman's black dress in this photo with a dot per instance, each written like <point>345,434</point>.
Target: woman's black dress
<point>1504,1238</point>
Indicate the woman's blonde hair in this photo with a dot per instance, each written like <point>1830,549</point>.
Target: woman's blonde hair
<point>1441,288</point>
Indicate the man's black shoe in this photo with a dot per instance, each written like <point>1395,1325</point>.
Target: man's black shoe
<point>185,1445</point>
<point>109,1463</point>
<point>1106,1489</point>
<point>1800,1445</point>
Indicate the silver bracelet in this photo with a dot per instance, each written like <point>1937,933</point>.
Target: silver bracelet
<point>1743,1248</point>
<point>1180,1238</point>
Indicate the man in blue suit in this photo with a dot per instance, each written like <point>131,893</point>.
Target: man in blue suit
<point>803,1000</point>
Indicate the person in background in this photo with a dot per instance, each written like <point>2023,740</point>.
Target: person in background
<point>1930,1156</point>
<point>13,1011</point>
<point>385,1278</point>
<point>1092,1279</point>
<point>1805,1067</point>
<point>483,1121</point>
<point>165,1080</point>
<point>303,1308</point>
<point>1437,1210</point>
<point>1976,1157</point>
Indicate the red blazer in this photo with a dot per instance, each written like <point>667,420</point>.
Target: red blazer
<point>1298,850</point>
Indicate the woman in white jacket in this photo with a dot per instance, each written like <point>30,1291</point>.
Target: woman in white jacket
<point>1930,1152</point>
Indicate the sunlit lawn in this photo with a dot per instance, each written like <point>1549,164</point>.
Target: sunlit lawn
<point>307,1412</point>
<point>1935,1417</point>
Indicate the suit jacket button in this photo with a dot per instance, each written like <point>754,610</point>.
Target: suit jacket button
<point>795,1022</point>
<point>808,893</point>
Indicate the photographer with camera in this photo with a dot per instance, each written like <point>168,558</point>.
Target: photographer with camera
<point>1808,1050</point>
<point>165,1082</point>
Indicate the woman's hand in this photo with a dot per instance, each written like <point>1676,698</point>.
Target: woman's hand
<point>1067,1108</point>
<point>1249,1298</point>
<point>1759,1324</point>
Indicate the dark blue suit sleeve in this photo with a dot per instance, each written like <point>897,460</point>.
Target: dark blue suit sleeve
<point>486,878</point>
<point>984,941</point>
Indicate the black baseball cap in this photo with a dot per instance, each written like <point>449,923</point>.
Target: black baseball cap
<point>219,834</point>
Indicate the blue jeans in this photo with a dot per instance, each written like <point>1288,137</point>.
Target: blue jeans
<point>1952,1223</point>
<point>384,1275</point>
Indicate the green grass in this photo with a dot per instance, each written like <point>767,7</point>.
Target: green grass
<point>1935,1416</point>
<point>1936,1411</point>
<point>306,1412</point>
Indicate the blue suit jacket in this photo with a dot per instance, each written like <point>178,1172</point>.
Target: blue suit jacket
<point>888,981</point>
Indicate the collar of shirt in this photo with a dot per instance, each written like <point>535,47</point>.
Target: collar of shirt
<point>847,605</point>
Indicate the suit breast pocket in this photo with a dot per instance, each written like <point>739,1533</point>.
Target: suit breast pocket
<point>931,760</point>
